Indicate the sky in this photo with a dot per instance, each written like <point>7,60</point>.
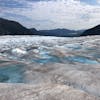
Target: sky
<point>51,14</point>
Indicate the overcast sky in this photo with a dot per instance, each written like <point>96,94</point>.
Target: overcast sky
<point>50,14</point>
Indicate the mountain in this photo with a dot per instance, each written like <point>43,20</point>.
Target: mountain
<point>59,33</point>
<point>93,31</point>
<point>8,27</point>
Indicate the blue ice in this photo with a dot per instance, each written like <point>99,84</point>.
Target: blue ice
<point>82,59</point>
<point>11,73</point>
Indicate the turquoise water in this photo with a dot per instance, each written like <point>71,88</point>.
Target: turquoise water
<point>46,57</point>
<point>11,73</point>
<point>48,60</point>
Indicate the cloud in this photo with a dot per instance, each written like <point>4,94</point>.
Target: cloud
<point>90,2</point>
<point>48,14</point>
<point>11,4</point>
<point>98,1</point>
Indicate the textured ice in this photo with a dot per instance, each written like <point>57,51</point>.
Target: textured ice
<point>63,67</point>
<point>11,73</point>
<point>81,59</point>
<point>51,49</point>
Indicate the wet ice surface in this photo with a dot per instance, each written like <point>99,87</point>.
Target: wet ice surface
<point>51,49</point>
<point>11,73</point>
<point>74,62</point>
<point>84,60</point>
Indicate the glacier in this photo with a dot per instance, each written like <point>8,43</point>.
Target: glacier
<point>44,67</point>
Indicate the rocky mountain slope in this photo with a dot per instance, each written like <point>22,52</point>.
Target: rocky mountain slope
<point>93,31</point>
<point>8,27</point>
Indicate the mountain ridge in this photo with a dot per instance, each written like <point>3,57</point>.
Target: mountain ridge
<point>9,27</point>
<point>92,31</point>
<point>60,32</point>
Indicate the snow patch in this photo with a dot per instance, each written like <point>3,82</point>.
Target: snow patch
<point>18,51</point>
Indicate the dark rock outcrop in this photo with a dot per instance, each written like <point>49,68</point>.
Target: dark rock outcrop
<point>92,31</point>
<point>8,27</point>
